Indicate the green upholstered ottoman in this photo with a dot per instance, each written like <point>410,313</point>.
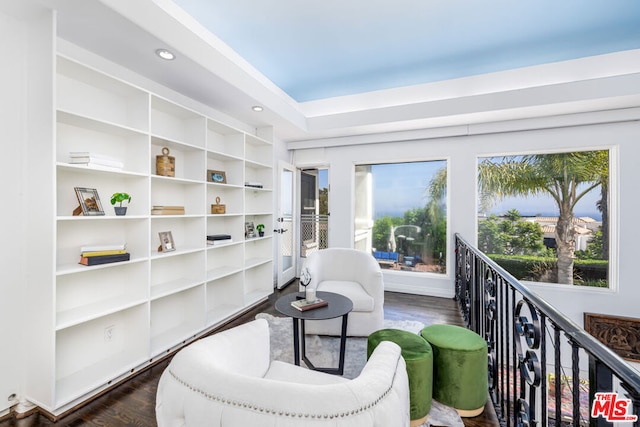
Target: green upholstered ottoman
<point>418,357</point>
<point>459,368</point>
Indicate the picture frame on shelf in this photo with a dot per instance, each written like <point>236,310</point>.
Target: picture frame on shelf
<point>166,242</point>
<point>249,230</point>
<point>218,177</point>
<point>89,200</point>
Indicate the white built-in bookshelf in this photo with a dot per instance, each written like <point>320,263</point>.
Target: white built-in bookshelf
<point>113,319</point>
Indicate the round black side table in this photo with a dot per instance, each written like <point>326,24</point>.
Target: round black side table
<point>339,305</point>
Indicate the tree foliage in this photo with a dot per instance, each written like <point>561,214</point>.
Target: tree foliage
<point>323,199</point>
<point>381,229</point>
<point>510,235</point>
<point>594,247</point>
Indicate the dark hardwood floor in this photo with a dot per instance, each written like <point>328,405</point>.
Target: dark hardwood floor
<point>132,403</point>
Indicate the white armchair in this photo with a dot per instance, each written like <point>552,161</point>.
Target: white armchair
<point>357,276</point>
<point>228,380</point>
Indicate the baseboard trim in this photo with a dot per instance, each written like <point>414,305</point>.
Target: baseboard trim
<point>419,290</point>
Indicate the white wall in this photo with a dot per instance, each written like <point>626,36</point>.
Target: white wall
<point>12,119</point>
<point>462,149</point>
<point>26,119</point>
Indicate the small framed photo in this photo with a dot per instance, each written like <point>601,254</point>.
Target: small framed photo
<point>249,230</point>
<point>166,242</point>
<point>219,177</point>
<point>89,201</point>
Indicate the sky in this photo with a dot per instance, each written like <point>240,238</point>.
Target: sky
<point>414,178</point>
<point>545,206</point>
<point>323,178</point>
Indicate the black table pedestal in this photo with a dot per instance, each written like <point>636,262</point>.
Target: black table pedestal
<point>339,305</point>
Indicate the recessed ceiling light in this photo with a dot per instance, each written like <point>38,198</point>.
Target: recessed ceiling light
<point>257,108</point>
<point>165,54</point>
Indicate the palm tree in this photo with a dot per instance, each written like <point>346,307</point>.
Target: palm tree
<point>566,177</point>
<point>602,165</point>
<point>436,211</point>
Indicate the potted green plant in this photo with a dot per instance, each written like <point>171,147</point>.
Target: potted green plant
<point>119,198</point>
<point>260,228</point>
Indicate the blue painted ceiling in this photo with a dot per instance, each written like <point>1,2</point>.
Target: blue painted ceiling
<point>323,49</point>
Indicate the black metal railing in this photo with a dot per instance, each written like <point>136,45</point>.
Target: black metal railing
<point>544,370</point>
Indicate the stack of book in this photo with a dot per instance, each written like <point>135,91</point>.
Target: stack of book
<point>218,239</point>
<point>167,210</point>
<point>253,184</point>
<point>103,254</point>
<point>304,305</point>
<point>87,158</point>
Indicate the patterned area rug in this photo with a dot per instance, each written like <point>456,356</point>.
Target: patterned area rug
<point>323,351</point>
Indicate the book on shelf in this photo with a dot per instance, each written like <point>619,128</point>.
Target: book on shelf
<point>304,305</point>
<point>167,210</point>
<point>253,184</point>
<point>218,236</point>
<point>101,253</point>
<point>96,165</point>
<point>219,242</point>
<point>104,259</point>
<point>94,159</point>
<point>105,247</point>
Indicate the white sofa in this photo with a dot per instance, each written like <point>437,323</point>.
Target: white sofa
<point>356,275</point>
<point>228,379</point>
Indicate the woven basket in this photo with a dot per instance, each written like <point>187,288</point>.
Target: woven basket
<point>218,208</point>
<point>165,164</point>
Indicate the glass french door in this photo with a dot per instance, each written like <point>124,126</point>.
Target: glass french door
<point>286,225</point>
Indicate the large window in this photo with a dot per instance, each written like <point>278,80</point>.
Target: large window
<point>400,214</point>
<point>545,217</point>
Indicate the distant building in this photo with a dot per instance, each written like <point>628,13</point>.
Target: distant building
<point>584,228</point>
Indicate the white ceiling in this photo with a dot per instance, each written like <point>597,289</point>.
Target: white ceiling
<point>337,68</point>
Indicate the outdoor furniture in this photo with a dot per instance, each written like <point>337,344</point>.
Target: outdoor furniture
<point>386,259</point>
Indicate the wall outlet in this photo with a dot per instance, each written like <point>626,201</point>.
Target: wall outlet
<point>108,333</point>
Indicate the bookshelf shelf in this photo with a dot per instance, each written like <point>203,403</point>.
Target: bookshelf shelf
<point>167,288</point>
<point>79,269</point>
<point>222,272</point>
<point>88,312</point>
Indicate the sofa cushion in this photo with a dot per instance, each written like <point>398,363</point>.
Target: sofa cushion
<point>287,372</point>
<point>362,301</point>
<point>218,351</point>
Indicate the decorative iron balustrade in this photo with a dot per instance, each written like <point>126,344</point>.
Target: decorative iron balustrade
<point>544,370</point>
<point>313,233</point>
